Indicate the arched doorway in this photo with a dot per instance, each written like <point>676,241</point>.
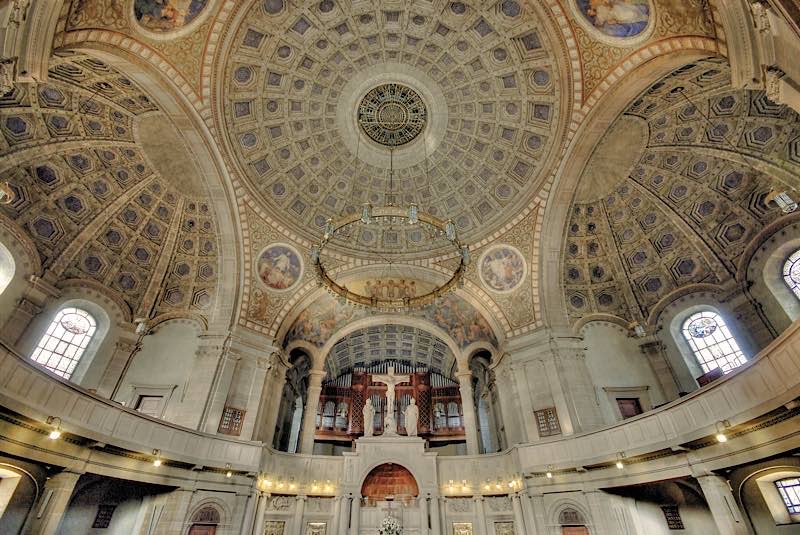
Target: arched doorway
<point>572,523</point>
<point>389,481</point>
<point>205,521</point>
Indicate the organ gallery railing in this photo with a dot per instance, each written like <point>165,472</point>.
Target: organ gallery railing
<point>340,417</point>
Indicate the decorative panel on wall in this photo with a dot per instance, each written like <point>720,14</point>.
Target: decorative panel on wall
<point>316,528</point>
<point>462,528</point>
<point>274,527</point>
<point>504,528</point>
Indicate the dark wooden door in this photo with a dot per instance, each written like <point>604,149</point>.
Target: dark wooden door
<point>574,530</point>
<point>198,529</point>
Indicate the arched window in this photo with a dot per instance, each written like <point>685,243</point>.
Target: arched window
<point>791,273</point>
<point>65,341</point>
<point>789,490</point>
<point>711,342</point>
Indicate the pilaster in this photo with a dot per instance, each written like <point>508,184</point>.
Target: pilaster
<point>724,509</point>
<point>654,351</point>
<point>54,500</point>
<point>33,301</point>
<point>210,368</point>
<point>125,349</point>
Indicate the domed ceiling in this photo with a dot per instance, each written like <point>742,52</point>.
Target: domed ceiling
<point>675,192</point>
<point>94,193</point>
<point>481,110</point>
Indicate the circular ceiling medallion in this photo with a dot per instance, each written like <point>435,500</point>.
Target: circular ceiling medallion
<point>502,268</point>
<point>279,267</point>
<point>392,114</point>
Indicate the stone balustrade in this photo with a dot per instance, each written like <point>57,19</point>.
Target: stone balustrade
<point>762,385</point>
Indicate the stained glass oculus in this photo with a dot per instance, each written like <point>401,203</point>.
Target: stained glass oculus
<point>392,114</point>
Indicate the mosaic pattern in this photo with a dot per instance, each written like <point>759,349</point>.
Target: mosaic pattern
<point>491,62</point>
<point>279,267</point>
<point>167,15</point>
<point>688,209</point>
<point>502,268</point>
<point>392,114</point>
<point>616,18</point>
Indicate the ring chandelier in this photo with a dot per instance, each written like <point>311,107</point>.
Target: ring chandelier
<point>394,215</point>
<point>391,115</point>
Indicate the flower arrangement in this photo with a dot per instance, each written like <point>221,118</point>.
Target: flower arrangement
<point>390,526</point>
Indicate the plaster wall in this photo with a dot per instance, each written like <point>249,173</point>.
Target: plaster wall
<point>615,361</point>
<point>165,361</point>
<point>751,497</point>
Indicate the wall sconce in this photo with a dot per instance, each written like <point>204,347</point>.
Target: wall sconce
<point>637,329</point>
<point>464,486</point>
<point>228,472</point>
<point>157,461</point>
<point>783,200</point>
<point>55,432</point>
<point>619,464</point>
<point>549,473</point>
<point>721,426</point>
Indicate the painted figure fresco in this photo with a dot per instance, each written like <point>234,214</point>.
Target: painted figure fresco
<point>317,323</point>
<point>279,267</point>
<point>617,18</point>
<point>167,15</point>
<point>502,269</point>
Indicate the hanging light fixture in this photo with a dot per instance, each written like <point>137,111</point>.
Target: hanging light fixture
<point>393,215</point>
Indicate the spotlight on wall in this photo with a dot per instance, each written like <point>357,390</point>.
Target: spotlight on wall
<point>55,432</point>
<point>721,426</point>
<point>620,464</point>
<point>228,472</point>
<point>549,473</point>
<point>157,461</point>
<point>783,200</point>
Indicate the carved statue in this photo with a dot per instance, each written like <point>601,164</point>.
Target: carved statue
<point>369,418</point>
<point>412,417</point>
<point>390,380</point>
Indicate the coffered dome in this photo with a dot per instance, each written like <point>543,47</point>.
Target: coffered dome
<point>473,115</point>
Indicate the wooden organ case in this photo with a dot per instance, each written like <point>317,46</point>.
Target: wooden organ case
<point>340,417</point>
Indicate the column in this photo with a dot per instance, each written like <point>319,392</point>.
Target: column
<point>299,511</point>
<point>422,501</point>
<point>519,521</point>
<point>355,515</point>
<point>481,528</point>
<point>724,509</point>
<point>344,514</point>
<point>261,508</point>
<point>436,516</point>
<point>59,489</point>
<point>249,514</point>
<point>125,348</point>
<point>538,522</point>
<point>527,512</point>
<point>310,416</point>
<point>468,409</point>
<point>272,392</point>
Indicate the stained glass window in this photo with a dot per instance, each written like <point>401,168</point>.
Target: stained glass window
<point>791,273</point>
<point>712,342</point>
<point>790,492</point>
<point>65,340</point>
